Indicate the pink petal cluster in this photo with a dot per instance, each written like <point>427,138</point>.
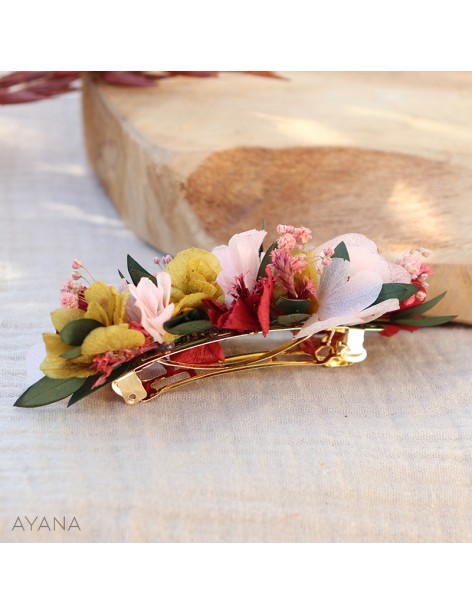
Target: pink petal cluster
<point>347,289</point>
<point>69,299</point>
<point>72,294</point>
<point>150,304</point>
<point>240,261</point>
<point>289,262</point>
<point>417,269</point>
<point>290,236</point>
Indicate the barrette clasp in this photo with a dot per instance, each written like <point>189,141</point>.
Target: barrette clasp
<point>338,347</point>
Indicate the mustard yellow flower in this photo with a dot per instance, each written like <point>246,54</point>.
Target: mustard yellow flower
<point>193,273</point>
<point>57,367</point>
<point>105,305</point>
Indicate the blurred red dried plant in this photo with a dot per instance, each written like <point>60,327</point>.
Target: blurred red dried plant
<point>17,87</point>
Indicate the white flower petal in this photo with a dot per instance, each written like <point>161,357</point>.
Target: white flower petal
<point>240,258</point>
<point>364,255</point>
<point>345,299</point>
<point>149,304</point>
<point>374,312</point>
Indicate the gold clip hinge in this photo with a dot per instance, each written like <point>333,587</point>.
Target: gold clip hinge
<point>130,387</point>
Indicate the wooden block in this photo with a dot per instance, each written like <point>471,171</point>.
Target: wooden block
<point>193,161</point>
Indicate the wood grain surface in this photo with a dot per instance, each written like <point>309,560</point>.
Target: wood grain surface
<point>193,161</point>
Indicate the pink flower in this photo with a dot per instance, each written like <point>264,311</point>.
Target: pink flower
<point>364,256</point>
<point>345,298</point>
<point>69,299</point>
<point>149,304</point>
<point>347,289</point>
<point>287,242</point>
<point>240,259</point>
<point>291,237</point>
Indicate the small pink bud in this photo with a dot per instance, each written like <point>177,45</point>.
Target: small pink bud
<point>69,300</point>
<point>286,241</point>
<point>421,295</point>
<point>326,261</point>
<point>76,264</point>
<point>328,251</point>
<point>302,234</point>
<point>76,275</point>
<point>156,260</point>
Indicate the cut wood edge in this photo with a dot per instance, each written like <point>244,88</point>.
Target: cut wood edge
<point>126,165</point>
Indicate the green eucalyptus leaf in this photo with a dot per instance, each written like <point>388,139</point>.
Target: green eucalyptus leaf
<point>75,352</point>
<point>186,316</point>
<point>419,309</point>
<point>75,332</point>
<point>292,318</point>
<point>48,390</point>
<point>341,251</point>
<point>293,305</point>
<point>136,271</point>
<point>187,328</point>
<point>89,383</point>
<point>399,291</point>
<point>424,321</point>
<point>266,260</point>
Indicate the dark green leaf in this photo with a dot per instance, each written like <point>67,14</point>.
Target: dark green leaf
<point>193,321</point>
<point>423,321</point>
<point>266,260</point>
<point>419,309</point>
<point>49,390</point>
<point>88,383</point>
<point>186,316</point>
<point>399,291</point>
<point>341,251</point>
<point>75,332</point>
<point>73,353</point>
<point>121,274</point>
<point>136,271</point>
<point>293,305</point>
<point>187,328</point>
<point>292,318</point>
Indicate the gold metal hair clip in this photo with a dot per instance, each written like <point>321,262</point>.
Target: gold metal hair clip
<point>339,347</point>
<point>160,330</point>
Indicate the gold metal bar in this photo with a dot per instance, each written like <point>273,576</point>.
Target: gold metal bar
<point>234,369</point>
<point>243,359</point>
<point>342,350</point>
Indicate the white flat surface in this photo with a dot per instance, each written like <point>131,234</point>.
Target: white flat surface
<point>378,452</point>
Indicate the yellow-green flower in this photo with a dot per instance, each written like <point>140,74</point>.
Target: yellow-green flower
<point>193,273</point>
<point>105,305</point>
<point>56,367</point>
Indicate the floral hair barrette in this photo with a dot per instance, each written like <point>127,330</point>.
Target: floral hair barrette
<point>159,331</point>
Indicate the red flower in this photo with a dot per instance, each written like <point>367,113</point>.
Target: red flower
<point>392,329</point>
<point>249,312</point>
<point>204,355</point>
